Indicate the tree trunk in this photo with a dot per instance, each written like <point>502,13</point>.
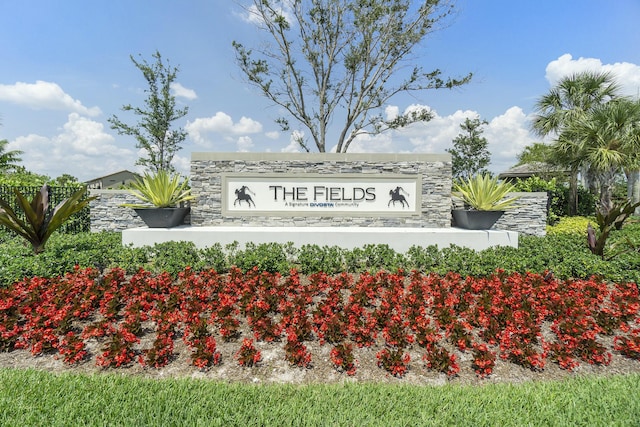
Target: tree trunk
<point>573,193</point>
<point>607,181</point>
<point>633,188</point>
<point>591,180</point>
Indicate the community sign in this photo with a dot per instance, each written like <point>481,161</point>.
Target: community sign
<point>321,195</point>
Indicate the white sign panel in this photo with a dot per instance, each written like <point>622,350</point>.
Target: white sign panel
<point>322,195</point>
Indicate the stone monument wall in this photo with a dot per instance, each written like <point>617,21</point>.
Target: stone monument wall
<point>210,171</point>
<point>432,172</point>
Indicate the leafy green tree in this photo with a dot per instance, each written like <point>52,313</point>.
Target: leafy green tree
<point>66,180</point>
<point>153,131</point>
<point>22,177</point>
<point>332,61</point>
<point>540,157</point>
<point>571,99</point>
<point>607,141</point>
<point>8,159</point>
<point>538,152</point>
<point>470,154</point>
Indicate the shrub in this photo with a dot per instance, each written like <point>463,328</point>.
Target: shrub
<point>572,225</point>
<point>565,254</point>
<point>625,266</point>
<point>100,250</point>
<point>173,257</point>
<point>17,262</point>
<point>5,235</point>
<point>213,257</point>
<point>64,251</point>
<point>271,257</point>
<point>463,261</point>
<point>423,258</point>
<point>372,258</point>
<point>314,258</point>
<point>129,258</point>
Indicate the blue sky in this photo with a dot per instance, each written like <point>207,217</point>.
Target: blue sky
<point>66,70</point>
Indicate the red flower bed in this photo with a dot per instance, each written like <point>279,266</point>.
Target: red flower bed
<point>523,319</point>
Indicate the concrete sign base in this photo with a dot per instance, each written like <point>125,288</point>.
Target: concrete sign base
<point>398,238</point>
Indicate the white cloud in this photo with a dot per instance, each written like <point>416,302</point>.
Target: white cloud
<point>181,163</point>
<point>283,7</point>
<point>84,136</point>
<point>82,149</point>
<point>247,125</point>
<point>182,92</point>
<point>43,95</point>
<point>437,134</point>
<point>294,146</point>
<point>626,74</point>
<point>391,112</point>
<point>244,143</point>
<point>222,124</point>
<point>272,135</point>
<point>433,136</point>
<point>507,135</point>
<point>365,143</point>
<point>35,157</point>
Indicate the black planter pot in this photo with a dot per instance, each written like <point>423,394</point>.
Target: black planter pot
<point>162,217</point>
<point>475,220</point>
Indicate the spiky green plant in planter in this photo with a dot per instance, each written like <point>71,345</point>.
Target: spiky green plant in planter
<point>484,193</point>
<point>40,223</point>
<point>161,190</point>
<point>163,195</point>
<point>485,200</point>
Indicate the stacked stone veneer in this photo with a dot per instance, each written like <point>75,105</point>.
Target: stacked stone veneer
<point>107,214</point>
<point>529,217</point>
<point>207,170</point>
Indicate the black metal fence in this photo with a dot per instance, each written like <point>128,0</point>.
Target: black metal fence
<point>78,223</point>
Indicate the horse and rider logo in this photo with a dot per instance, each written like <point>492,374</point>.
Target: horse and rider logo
<point>396,196</point>
<point>242,196</point>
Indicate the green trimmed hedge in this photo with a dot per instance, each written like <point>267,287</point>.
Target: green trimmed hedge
<point>565,254</point>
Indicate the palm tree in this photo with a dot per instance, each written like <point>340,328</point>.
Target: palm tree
<point>607,141</point>
<point>570,100</point>
<point>8,159</point>
<point>538,152</point>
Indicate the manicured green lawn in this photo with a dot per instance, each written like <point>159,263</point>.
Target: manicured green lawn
<point>32,398</point>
